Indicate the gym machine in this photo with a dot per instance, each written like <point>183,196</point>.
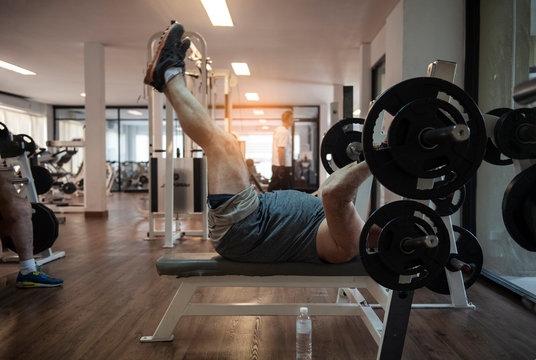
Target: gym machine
<point>66,184</point>
<point>31,180</point>
<point>199,51</point>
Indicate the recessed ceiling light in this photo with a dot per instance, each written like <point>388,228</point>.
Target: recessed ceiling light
<point>135,112</point>
<point>241,68</point>
<point>262,121</point>
<point>258,112</point>
<point>218,12</point>
<point>252,96</point>
<point>83,94</point>
<point>265,127</point>
<point>15,68</point>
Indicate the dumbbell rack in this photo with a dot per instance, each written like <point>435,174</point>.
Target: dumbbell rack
<point>458,295</point>
<point>446,71</point>
<point>29,192</point>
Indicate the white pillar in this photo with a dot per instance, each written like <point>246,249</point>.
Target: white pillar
<point>95,133</point>
<point>365,80</point>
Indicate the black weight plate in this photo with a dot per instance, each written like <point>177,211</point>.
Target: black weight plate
<point>518,206</point>
<point>7,243</point>
<point>68,188</point>
<point>42,179</point>
<point>54,219</point>
<point>507,134</point>
<point>391,171</point>
<point>342,145</point>
<point>391,241</point>
<point>45,228</point>
<point>410,153</point>
<point>426,266</point>
<point>492,154</point>
<point>4,132</point>
<point>26,142</point>
<point>450,204</point>
<point>470,252</point>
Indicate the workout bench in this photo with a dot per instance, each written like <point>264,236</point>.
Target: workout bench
<point>206,270</point>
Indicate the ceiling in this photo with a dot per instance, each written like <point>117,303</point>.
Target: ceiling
<point>293,47</point>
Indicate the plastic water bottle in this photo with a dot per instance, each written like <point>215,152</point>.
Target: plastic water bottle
<point>304,334</point>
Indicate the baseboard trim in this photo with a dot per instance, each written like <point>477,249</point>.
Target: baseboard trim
<point>96,214</point>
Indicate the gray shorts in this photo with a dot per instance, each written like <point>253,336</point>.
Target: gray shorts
<point>278,226</point>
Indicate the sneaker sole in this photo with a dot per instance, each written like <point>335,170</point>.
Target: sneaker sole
<point>30,285</point>
<point>150,71</point>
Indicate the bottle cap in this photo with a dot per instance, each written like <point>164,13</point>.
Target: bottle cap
<point>304,310</point>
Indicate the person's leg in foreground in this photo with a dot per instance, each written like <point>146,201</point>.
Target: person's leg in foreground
<point>16,222</point>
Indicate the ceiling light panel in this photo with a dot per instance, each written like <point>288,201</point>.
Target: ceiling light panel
<point>218,12</point>
<point>252,96</point>
<point>241,68</point>
<point>15,68</point>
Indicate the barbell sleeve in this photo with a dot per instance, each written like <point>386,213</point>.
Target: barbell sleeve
<point>454,133</point>
<point>455,264</point>
<point>428,241</point>
<point>525,93</point>
<point>527,133</point>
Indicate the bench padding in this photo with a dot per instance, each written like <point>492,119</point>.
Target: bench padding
<point>211,264</point>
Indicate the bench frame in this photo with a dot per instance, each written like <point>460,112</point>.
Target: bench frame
<point>389,334</point>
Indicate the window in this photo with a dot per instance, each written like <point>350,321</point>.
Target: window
<point>507,47</point>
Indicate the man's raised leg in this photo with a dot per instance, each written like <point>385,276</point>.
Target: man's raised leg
<point>227,170</point>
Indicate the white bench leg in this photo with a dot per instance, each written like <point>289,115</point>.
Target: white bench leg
<point>177,308</point>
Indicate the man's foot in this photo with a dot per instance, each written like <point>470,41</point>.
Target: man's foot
<point>170,53</point>
<point>37,279</point>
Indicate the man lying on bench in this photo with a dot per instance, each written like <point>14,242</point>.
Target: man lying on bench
<point>282,226</point>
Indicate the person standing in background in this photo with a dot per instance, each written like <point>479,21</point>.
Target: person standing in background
<point>282,154</point>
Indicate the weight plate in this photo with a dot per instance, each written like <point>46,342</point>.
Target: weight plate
<point>386,262</point>
<point>400,161</point>
<point>411,153</point>
<point>470,252</point>
<point>519,208</point>
<point>42,179</point>
<point>391,241</point>
<point>342,144</point>
<point>515,134</point>
<point>68,188</point>
<point>492,154</point>
<point>26,142</point>
<point>45,229</point>
<point>446,206</point>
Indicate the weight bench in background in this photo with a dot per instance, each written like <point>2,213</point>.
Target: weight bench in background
<point>206,270</point>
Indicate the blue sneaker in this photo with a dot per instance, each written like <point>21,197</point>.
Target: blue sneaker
<point>37,279</point>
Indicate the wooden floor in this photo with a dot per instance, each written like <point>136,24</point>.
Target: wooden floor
<point>112,296</point>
